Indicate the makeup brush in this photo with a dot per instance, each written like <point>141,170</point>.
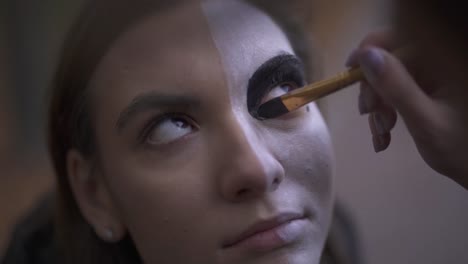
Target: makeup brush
<point>297,98</point>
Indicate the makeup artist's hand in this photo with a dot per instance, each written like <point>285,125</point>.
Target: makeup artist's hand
<point>436,115</point>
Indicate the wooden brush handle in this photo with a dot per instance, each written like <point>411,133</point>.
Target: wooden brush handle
<point>317,90</point>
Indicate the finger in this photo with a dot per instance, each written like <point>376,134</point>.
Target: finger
<point>383,38</point>
<point>381,142</point>
<point>382,121</point>
<point>369,101</point>
<point>392,82</point>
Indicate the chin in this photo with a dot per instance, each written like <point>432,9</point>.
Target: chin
<point>300,254</point>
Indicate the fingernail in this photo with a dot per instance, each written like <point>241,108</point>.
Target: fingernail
<point>379,123</point>
<point>379,143</point>
<point>372,62</point>
<point>362,104</point>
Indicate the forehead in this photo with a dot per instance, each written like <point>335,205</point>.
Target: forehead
<point>220,43</point>
<point>160,47</point>
<point>245,38</point>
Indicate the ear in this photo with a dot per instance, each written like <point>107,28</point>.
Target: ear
<point>93,197</point>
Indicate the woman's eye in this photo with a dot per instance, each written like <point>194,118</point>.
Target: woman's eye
<point>279,90</point>
<point>169,129</point>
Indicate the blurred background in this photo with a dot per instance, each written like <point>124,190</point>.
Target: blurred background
<point>403,211</point>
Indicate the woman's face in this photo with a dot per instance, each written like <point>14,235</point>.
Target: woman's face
<point>191,175</point>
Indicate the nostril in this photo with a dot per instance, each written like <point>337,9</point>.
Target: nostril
<point>276,181</point>
<point>242,192</point>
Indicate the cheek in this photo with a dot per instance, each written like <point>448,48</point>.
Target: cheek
<point>155,200</point>
<point>149,194</point>
<point>307,156</point>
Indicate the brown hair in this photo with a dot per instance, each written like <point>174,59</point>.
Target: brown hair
<point>70,113</point>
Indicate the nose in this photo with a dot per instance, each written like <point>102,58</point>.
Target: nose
<point>249,170</point>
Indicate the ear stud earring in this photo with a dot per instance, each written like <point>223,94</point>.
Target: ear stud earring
<point>109,234</point>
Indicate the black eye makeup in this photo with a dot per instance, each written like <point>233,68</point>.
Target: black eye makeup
<point>285,72</point>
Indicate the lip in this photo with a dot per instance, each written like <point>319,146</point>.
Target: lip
<point>269,234</point>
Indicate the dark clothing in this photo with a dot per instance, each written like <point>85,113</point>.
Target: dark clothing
<point>33,240</point>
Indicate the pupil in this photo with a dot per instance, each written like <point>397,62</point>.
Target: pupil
<point>285,87</point>
<point>179,123</point>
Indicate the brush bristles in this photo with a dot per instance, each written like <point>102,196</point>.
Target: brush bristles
<point>271,109</point>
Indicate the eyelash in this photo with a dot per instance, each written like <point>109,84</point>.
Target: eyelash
<point>285,77</point>
<point>282,76</point>
<point>157,120</point>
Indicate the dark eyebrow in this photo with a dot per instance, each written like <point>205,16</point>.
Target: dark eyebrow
<point>149,101</point>
<point>271,71</point>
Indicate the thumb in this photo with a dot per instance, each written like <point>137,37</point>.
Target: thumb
<point>391,80</point>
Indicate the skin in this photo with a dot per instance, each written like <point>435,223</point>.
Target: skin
<point>428,90</point>
<point>182,192</point>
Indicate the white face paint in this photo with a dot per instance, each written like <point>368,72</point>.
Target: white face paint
<point>189,170</point>
<point>246,38</point>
